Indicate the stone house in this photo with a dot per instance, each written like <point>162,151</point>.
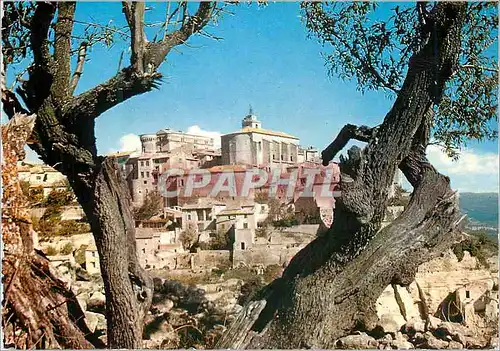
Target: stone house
<point>240,224</point>
<point>41,177</point>
<point>92,259</point>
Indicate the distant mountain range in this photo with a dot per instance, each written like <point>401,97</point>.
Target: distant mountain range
<point>481,210</point>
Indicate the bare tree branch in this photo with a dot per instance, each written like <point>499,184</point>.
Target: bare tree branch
<point>348,132</point>
<point>62,47</point>
<point>481,68</point>
<point>136,23</point>
<point>40,24</point>
<point>82,53</point>
<point>126,84</point>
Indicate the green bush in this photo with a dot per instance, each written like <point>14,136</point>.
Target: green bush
<point>57,198</point>
<point>51,251</point>
<point>479,244</point>
<point>67,249</point>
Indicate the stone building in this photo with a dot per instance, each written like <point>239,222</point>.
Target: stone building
<point>41,177</point>
<point>253,145</point>
<point>309,154</point>
<point>167,140</point>
<point>167,149</point>
<point>92,259</point>
<point>240,224</point>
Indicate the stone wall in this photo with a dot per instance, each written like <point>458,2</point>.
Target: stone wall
<point>264,255</point>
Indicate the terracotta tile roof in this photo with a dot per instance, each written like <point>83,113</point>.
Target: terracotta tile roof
<point>234,168</point>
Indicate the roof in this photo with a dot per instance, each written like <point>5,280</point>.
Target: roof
<point>91,247</point>
<point>234,168</point>
<point>120,153</point>
<point>236,211</point>
<point>265,132</point>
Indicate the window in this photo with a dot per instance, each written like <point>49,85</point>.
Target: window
<point>467,294</point>
<point>222,226</point>
<point>147,174</point>
<point>38,177</point>
<point>243,246</point>
<point>142,174</point>
<point>142,163</point>
<point>245,216</point>
<point>189,217</point>
<point>93,264</point>
<point>291,158</point>
<point>274,157</point>
<point>182,182</point>
<point>145,182</point>
<point>93,253</point>
<point>147,163</point>
<point>143,250</point>
<point>245,225</point>
<point>281,157</point>
<point>262,208</point>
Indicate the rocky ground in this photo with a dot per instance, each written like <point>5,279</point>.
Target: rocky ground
<point>195,311</point>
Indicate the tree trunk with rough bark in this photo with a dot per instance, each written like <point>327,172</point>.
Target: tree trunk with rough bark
<point>331,286</point>
<point>64,138</point>
<point>38,309</point>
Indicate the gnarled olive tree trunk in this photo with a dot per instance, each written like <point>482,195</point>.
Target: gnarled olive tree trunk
<point>331,286</point>
<point>64,138</point>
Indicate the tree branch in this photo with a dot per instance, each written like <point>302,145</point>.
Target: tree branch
<point>348,132</point>
<point>62,48</point>
<point>135,17</point>
<point>156,52</point>
<point>11,104</point>
<point>82,53</point>
<point>40,25</point>
<point>124,85</point>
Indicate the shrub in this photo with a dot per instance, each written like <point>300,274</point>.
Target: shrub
<point>153,205</point>
<point>51,251</point>
<point>58,198</point>
<point>72,227</point>
<point>479,244</point>
<point>67,249</point>
<point>188,238</point>
<point>220,241</point>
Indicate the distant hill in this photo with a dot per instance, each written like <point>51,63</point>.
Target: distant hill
<point>481,208</point>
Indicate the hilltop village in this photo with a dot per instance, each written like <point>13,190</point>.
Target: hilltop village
<point>258,228</point>
<point>211,235</point>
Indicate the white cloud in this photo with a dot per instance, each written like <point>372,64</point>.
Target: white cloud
<point>474,171</point>
<point>130,143</point>
<point>196,130</point>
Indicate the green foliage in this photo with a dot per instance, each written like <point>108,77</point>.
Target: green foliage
<point>371,43</point>
<point>67,249</point>
<point>152,206</point>
<point>62,197</point>
<point>286,222</point>
<point>80,254</point>
<point>72,227</point>
<point>189,238</point>
<point>35,195</point>
<point>220,241</point>
<point>479,244</point>
<point>51,251</point>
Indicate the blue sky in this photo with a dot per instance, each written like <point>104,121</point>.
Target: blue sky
<point>265,59</point>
